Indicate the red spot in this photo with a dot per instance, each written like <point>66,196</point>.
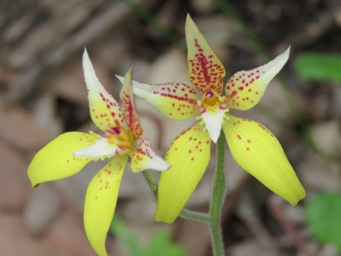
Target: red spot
<point>239,137</point>
<point>233,93</point>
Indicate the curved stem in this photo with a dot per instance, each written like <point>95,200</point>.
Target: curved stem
<point>217,199</point>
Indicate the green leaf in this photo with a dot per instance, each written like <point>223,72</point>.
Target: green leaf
<point>318,66</point>
<point>161,244</point>
<point>126,237</point>
<point>323,215</point>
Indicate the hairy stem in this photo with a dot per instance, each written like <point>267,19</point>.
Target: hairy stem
<point>217,199</point>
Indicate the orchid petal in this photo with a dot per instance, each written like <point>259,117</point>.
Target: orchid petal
<point>100,202</point>
<point>104,109</point>
<point>56,160</point>
<point>246,88</point>
<point>144,158</point>
<point>204,68</point>
<point>174,100</point>
<point>214,121</point>
<point>100,149</point>
<point>188,156</point>
<point>132,120</point>
<point>258,152</point>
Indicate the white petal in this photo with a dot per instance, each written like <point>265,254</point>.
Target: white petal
<point>213,123</point>
<point>100,149</point>
<point>158,164</point>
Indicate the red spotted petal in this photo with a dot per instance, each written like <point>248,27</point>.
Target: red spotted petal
<point>246,88</point>
<point>204,68</point>
<point>132,121</point>
<point>144,158</point>
<point>104,109</point>
<point>175,100</point>
<point>188,156</point>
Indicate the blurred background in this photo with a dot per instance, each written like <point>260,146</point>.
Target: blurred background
<point>42,94</point>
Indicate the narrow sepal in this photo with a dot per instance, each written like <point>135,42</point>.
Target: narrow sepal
<point>205,70</point>
<point>128,107</point>
<point>100,202</point>
<point>258,152</point>
<point>175,100</point>
<point>56,160</point>
<point>144,158</point>
<point>188,156</point>
<point>246,88</point>
<point>104,109</point>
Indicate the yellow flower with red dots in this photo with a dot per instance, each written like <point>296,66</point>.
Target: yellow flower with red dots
<point>70,152</point>
<point>253,146</point>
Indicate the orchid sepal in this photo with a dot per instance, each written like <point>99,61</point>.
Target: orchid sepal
<point>246,88</point>
<point>100,202</point>
<point>57,161</point>
<point>259,153</point>
<point>175,100</point>
<point>205,70</point>
<point>188,156</point>
<point>104,109</point>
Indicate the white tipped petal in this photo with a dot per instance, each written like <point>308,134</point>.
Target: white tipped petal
<point>213,123</point>
<point>144,158</point>
<point>100,149</point>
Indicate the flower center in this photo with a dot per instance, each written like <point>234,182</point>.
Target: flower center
<point>210,98</point>
<point>212,102</point>
<point>120,137</point>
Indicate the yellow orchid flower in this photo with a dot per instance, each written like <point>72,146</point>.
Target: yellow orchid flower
<point>253,146</point>
<point>70,152</point>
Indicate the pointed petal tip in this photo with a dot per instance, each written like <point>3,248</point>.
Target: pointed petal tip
<point>300,195</point>
<point>120,78</point>
<point>286,54</point>
<point>85,56</point>
<point>161,165</point>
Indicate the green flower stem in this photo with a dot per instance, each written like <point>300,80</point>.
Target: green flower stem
<point>217,199</point>
<point>195,216</point>
<point>149,177</point>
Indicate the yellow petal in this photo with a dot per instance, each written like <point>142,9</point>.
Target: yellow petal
<point>104,109</point>
<point>189,157</point>
<point>100,202</point>
<point>246,88</point>
<point>258,152</point>
<point>129,112</point>
<point>175,100</point>
<point>56,160</point>
<point>205,70</point>
<point>144,158</point>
